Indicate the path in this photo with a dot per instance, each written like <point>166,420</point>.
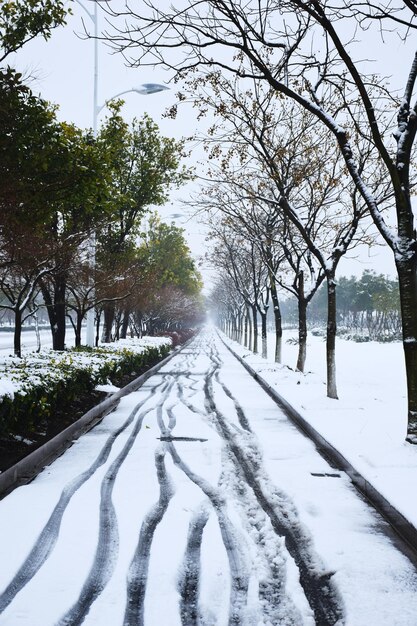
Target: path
<point>197,502</point>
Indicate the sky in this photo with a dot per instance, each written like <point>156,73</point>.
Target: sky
<point>62,70</point>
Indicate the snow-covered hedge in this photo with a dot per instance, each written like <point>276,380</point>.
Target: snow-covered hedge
<point>33,387</point>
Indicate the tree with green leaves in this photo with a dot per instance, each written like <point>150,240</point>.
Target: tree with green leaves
<point>30,134</point>
<point>170,284</point>
<point>143,167</point>
<point>28,124</point>
<point>368,306</point>
<point>168,257</point>
<point>39,169</point>
<point>23,20</point>
<point>81,205</point>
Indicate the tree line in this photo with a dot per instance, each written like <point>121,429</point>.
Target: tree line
<point>304,130</point>
<point>76,231</point>
<point>367,308</point>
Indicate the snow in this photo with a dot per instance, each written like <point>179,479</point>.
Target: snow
<point>49,367</point>
<point>207,510</point>
<point>109,388</point>
<point>368,423</point>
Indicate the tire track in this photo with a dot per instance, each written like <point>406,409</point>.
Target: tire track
<point>321,593</point>
<point>189,582</point>
<point>238,568</point>
<point>108,540</point>
<point>138,570</point>
<point>266,512</point>
<point>48,537</point>
<point>239,573</point>
<point>243,420</point>
<point>271,562</point>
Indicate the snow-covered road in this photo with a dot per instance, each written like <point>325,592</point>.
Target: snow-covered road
<point>197,502</point>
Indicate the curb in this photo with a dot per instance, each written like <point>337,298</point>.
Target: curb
<point>401,526</point>
<point>31,465</point>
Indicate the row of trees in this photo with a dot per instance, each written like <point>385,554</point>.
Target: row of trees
<point>61,188</point>
<point>301,56</point>
<point>367,307</point>
<point>282,211</point>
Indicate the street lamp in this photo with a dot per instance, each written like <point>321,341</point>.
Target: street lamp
<point>175,216</point>
<point>144,90</point>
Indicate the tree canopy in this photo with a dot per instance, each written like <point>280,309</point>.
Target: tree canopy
<point>23,20</point>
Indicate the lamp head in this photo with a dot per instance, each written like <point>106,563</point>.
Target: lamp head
<point>148,88</point>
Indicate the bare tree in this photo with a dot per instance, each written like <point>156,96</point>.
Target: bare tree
<point>227,305</point>
<point>302,281</point>
<point>274,42</point>
<point>239,258</point>
<point>272,155</point>
<point>24,262</point>
<point>257,223</point>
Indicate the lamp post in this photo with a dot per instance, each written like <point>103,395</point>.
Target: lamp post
<point>94,18</point>
<point>144,90</point>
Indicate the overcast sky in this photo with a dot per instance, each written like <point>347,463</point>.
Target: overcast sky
<point>61,70</point>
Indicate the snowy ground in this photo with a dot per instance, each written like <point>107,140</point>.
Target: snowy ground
<point>368,422</point>
<point>29,341</point>
<point>197,502</point>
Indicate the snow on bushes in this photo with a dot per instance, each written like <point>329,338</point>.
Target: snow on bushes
<point>32,388</point>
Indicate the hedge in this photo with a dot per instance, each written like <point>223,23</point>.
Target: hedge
<point>35,387</point>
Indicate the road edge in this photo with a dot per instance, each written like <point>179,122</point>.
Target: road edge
<point>31,465</point>
<point>403,528</point>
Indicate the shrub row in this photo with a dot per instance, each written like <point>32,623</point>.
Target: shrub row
<point>178,337</point>
<point>51,381</point>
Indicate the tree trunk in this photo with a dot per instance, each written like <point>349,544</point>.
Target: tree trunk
<point>233,327</point>
<point>248,317</point>
<point>264,333</point>
<point>117,325</point>
<point>245,337</point>
<point>331,337</point>
<point>277,321</point>
<point>54,298</point>
<point>255,329</point>
<point>239,327</point>
<point>302,334</point>
<point>78,324</point>
<point>302,324</point>
<point>109,312</point>
<point>125,324</point>
<point>58,332</point>
<point>138,324</point>
<point>49,306</point>
<point>98,319</point>
<point>38,334</point>
<point>407,278</point>
<point>17,332</point>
